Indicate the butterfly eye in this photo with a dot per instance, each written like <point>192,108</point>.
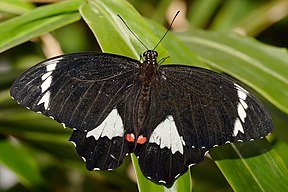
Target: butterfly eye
<point>155,53</point>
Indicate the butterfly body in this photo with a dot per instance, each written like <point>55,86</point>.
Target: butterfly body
<point>146,80</point>
<point>167,115</point>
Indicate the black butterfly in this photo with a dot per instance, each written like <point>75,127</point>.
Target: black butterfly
<point>167,115</point>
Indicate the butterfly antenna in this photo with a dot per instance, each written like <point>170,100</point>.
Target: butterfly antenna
<point>132,32</point>
<point>170,26</point>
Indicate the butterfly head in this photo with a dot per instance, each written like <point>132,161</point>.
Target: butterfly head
<point>150,56</point>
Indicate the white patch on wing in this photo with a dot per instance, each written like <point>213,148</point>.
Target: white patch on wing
<point>47,80</point>
<point>46,75</point>
<point>51,65</point>
<point>241,110</point>
<point>237,127</point>
<point>45,99</point>
<point>244,104</point>
<point>111,127</point>
<point>166,135</point>
<point>46,84</point>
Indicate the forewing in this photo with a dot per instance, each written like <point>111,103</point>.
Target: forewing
<point>78,90</point>
<point>209,109</point>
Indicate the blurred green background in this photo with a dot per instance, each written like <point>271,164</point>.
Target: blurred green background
<point>35,154</point>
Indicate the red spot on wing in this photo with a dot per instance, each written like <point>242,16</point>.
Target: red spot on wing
<point>141,139</point>
<point>130,137</point>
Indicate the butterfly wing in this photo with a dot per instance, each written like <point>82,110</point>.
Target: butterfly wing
<point>204,109</point>
<point>78,90</point>
<point>210,109</point>
<point>81,91</point>
<point>105,147</point>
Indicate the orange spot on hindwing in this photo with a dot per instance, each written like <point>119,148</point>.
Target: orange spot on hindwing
<point>130,137</point>
<point>141,139</point>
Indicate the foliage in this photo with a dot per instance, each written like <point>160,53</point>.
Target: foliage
<point>35,148</point>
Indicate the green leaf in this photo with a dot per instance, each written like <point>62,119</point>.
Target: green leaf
<point>252,166</point>
<point>201,12</point>
<point>262,17</point>
<point>111,33</point>
<point>15,6</point>
<point>282,147</point>
<point>178,52</point>
<point>17,159</point>
<point>37,22</point>
<point>230,13</point>
<point>159,14</point>
<point>262,67</point>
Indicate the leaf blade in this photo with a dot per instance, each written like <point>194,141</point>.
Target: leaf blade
<point>21,163</point>
<point>37,22</point>
<point>248,166</point>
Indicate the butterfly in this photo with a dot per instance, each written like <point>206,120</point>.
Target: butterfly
<point>169,116</point>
